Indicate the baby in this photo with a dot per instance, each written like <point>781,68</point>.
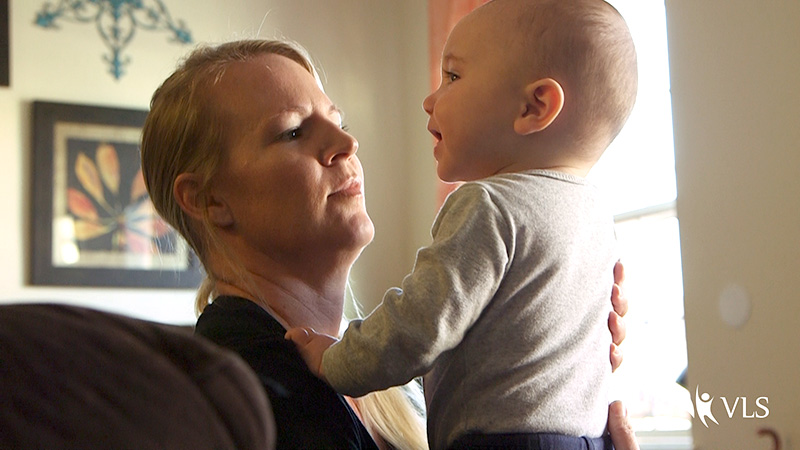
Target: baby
<point>505,313</point>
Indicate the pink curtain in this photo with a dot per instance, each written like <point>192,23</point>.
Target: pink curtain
<point>442,17</point>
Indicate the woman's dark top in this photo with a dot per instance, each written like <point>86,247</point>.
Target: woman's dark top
<point>308,413</point>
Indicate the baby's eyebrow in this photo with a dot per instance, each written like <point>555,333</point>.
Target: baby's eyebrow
<point>449,57</point>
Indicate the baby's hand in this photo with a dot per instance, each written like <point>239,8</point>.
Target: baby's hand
<point>311,346</point>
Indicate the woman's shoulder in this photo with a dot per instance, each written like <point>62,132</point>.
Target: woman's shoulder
<point>308,413</point>
<point>244,327</point>
<point>227,317</point>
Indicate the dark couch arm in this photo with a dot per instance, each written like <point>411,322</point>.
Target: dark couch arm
<point>72,377</point>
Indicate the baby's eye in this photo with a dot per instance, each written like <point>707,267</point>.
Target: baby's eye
<point>450,76</point>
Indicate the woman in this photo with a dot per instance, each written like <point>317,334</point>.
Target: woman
<point>245,155</point>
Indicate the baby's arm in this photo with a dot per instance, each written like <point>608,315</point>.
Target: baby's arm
<point>311,346</point>
<point>435,305</point>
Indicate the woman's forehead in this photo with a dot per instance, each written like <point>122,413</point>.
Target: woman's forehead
<point>269,80</point>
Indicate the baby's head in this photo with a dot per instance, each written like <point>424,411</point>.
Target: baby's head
<point>532,84</point>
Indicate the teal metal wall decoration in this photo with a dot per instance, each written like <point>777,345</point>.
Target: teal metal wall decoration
<point>117,22</point>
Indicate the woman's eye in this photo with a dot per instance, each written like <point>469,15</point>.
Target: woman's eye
<point>345,128</point>
<point>294,133</point>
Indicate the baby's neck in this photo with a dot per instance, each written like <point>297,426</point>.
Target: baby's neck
<point>570,168</point>
<point>555,153</point>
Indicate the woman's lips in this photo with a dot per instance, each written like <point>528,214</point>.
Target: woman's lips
<point>351,188</point>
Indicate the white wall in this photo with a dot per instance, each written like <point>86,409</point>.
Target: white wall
<point>374,56</point>
<point>735,69</point>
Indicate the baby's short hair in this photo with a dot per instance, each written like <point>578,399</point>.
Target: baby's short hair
<point>586,46</point>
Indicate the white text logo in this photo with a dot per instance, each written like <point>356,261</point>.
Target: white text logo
<point>703,402</point>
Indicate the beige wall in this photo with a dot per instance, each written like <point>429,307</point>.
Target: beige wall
<point>374,56</point>
<point>735,69</point>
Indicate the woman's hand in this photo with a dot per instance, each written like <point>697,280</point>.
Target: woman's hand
<point>620,428</point>
<point>615,323</point>
<point>311,346</point>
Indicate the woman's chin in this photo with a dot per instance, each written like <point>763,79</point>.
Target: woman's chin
<point>358,233</point>
<point>365,232</point>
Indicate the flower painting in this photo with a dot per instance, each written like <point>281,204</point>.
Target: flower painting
<point>93,221</point>
<point>109,206</point>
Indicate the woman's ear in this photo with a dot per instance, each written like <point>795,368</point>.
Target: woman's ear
<point>196,204</point>
<point>544,100</point>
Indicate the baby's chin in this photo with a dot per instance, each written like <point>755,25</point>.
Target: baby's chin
<point>446,175</point>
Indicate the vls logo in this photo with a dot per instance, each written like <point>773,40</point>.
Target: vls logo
<point>702,403</point>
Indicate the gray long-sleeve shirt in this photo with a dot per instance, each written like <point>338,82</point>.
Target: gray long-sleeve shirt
<point>505,313</point>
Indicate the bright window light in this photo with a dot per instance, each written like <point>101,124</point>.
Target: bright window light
<point>637,174</point>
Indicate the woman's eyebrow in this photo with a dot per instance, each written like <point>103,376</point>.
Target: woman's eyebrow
<point>293,110</point>
<point>301,110</point>
<point>305,110</point>
<point>285,111</point>
<point>336,109</point>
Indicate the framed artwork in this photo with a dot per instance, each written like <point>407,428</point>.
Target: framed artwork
<point>5,53</point>
<point>92,221</point>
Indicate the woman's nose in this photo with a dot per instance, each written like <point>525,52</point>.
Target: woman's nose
<point>342,146</point>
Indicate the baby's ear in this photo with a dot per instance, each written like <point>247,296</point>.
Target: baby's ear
<point>195,203</point>
<point>544,100</point>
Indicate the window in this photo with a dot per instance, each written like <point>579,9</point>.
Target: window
<point>637,173</point>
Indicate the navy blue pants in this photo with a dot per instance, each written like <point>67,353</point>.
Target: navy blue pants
<point>530,441</point>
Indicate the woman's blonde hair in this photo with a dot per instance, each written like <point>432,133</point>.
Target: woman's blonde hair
<point>183,133</point>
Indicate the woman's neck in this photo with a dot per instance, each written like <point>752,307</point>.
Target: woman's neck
<point>316,300</point>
